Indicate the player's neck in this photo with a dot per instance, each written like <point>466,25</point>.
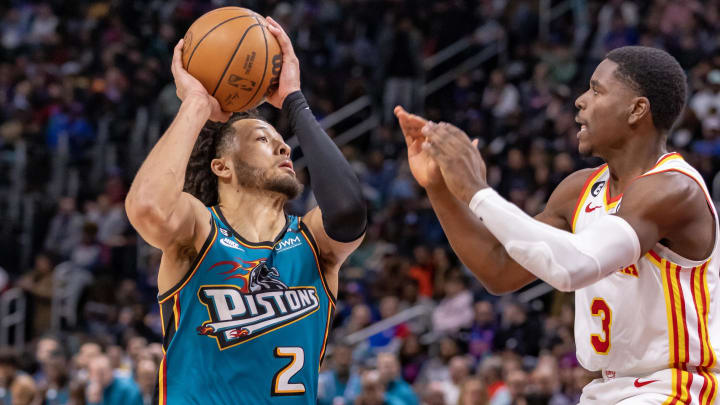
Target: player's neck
<point>633,159</point>
<point>257,215</point>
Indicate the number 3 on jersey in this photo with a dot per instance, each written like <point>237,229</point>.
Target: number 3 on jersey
<point>601,343</point>
<point>281,384</point>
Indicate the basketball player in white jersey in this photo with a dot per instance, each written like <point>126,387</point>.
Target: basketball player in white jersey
<point>635,238</point>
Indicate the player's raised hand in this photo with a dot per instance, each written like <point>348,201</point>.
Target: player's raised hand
<point>422,165</point>
<point>188,86</point>
<point>290,73</point>
<point>462,167</point>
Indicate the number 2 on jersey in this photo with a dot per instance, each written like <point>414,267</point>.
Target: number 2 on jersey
<point>600,308</point>
<point>281,384</point>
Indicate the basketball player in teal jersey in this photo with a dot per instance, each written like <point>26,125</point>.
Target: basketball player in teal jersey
<point>246,292</point>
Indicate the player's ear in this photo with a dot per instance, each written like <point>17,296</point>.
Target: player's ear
<point>639,109</point>
<point>221,167</point>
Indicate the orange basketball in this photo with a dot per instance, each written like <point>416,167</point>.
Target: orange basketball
<point>231,52</point>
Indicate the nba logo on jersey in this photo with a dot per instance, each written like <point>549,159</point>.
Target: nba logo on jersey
<point>262,304</point>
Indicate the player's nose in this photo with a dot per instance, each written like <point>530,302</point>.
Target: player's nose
<point>284,149</point>
<point>580,102</point>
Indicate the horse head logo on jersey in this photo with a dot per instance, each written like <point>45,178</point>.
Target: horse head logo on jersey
<point>263,277</point>
<point>261,304</point>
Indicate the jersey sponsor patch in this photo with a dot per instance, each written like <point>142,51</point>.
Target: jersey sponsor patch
<point>263,304</point>
<point>288,244</point>
<point>231,244</point>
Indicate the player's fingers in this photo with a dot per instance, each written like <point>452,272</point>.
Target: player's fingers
<point>408,128</point>
<point>398,110</point>
<point>282,37</point>
<point>176,65</point>
<point>475,142</point>
<point>433,150</point>
<point>438,136</point>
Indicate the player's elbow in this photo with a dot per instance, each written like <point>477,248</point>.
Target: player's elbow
<point>144,214</point>
<point>347,222</point>
<point>498,289</point>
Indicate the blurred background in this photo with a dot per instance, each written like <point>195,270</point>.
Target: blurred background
<point>86,90</point>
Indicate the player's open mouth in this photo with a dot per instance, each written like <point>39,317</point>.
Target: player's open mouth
<point>583,128</point>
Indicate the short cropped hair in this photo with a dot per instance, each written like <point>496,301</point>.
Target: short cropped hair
<point>655,74</point>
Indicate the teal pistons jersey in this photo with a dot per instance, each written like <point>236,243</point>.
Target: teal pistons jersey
<point>248,323</point>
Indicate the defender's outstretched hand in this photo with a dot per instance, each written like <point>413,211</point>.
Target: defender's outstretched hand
<point>462,167</point>
<point>187,86</point>
<point>423,167</point>
<point>290,73</point>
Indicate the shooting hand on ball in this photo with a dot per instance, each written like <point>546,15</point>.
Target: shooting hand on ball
<point>290,73</point>
<point>188,87</point>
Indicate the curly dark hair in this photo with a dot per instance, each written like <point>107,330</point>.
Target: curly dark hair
<point>654,74</point>
<point>214,139</point>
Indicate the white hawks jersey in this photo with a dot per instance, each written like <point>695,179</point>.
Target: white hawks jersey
<point>661,312</point>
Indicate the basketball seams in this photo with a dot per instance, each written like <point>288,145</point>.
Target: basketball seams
<point>267,57</point>
<point>232,57</point>
<point>208,33</point>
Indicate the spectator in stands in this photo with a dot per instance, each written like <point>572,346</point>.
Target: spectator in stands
<point>707,98</point>
<point>491,373</point>
<point>412,357</point>
<point>65,228</point>
<point>517,384</point>
<point>401,64</point>
<point>23,390</point>
<point>482,332</point>
<point>389,339</point>
<point>395,387</point>
<point>473,392</point>
<point>81,360</point>
<point>55,386</point>
<point>112,222</point>
<point>460,369</point>
<point>89,253</point>
<point>38,284</point>
<point>437,368</point>
<point>146,377</point>
<point>434,394</point>
<point>340,381</point>
<point>455,310</point>
<point>373,390</point>
<point>517,331</point>
<point>9,370</point>
<point>546,386</point>
<point>500,98</point>
<point>106,389</point>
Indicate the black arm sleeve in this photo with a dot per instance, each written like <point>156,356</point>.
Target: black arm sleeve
<point>333,182</point>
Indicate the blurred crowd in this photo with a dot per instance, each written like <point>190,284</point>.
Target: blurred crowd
<point>67,66</point>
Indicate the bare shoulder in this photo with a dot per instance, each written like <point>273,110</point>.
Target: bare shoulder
<point>670,196</point>
<point>670,208</point>
<point>561,204</point>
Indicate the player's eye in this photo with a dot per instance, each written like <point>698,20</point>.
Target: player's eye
<point>262,139</point>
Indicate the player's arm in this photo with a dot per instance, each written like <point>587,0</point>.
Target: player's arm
<point>567,261</point>
<point>480,251</point>
<point>474,244</point>
<point>338,223</point>
<point>667,206</point>
<point>156,205</point>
